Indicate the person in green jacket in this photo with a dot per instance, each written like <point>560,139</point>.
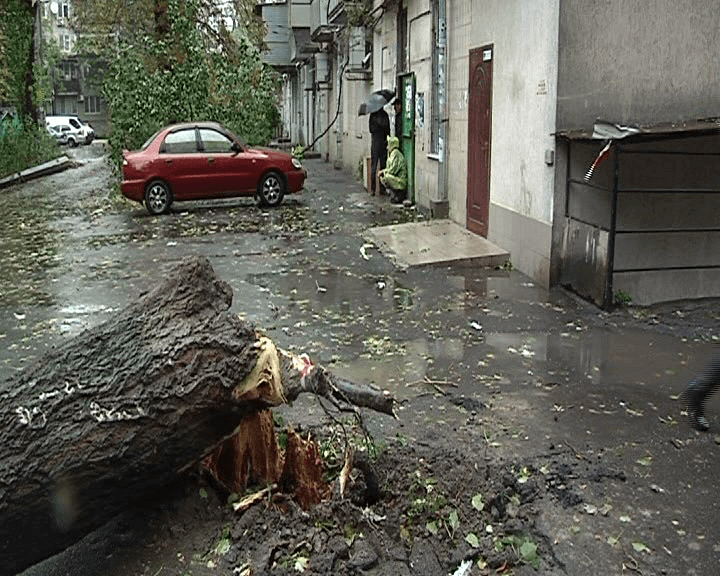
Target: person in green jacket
<point>394,175</point>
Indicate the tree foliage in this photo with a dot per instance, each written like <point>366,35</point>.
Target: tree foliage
<point>4,69</point>
<point>187,74</point>
<point>22,142</point>
<point>17,57</point>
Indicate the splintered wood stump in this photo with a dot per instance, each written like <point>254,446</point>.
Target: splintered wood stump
<point>107,420</point>
<point>251,456</point>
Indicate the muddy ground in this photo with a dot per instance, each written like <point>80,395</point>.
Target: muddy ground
<point>535,433</point>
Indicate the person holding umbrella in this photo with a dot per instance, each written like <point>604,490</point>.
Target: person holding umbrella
<point>379,131</point>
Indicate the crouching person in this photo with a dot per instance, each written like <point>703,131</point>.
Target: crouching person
<point>394,175</point>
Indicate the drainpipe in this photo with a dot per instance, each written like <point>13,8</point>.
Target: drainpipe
<point>439,208</point>
<point>339,126</point>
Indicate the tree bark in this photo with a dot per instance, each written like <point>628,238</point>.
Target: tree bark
<point>107,420</point>
<point>29,109</point>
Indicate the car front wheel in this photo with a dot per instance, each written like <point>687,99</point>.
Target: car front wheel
<point>272,189</point>
<point>73,143</point>
<point>157,197</point>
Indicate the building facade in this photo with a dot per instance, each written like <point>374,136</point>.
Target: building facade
<point>500,98</point>
<point>644,226</point>
<point>76,89</point>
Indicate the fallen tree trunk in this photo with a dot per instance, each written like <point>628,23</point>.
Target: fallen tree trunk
<point>108,419</point>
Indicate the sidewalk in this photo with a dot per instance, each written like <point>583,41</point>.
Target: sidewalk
<point>421,243</point>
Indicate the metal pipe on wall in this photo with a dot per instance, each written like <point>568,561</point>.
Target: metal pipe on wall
<point>442,194</point>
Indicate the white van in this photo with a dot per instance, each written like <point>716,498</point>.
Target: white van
<point>80,132</point>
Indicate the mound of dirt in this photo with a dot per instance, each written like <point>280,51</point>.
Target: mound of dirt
<point>440,511</point>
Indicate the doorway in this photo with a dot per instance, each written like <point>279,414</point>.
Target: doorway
<point>479,134</point>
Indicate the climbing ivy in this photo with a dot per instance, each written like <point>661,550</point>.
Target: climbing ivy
<point>22,142</point>
<point>4,71</point>
<point>17,58</point>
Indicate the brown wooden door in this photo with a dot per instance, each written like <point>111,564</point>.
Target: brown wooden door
<point>479,123</point>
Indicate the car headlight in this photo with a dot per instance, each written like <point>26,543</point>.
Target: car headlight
<point>296,163</point>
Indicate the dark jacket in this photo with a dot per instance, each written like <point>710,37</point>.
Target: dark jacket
<point>379,129</point>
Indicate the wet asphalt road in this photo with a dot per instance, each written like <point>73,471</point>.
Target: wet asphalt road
<point>551,368</point>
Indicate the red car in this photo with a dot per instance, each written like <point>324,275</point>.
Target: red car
<point>200,160</point>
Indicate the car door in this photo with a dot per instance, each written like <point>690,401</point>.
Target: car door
<point>230,171</point>
<point>181,164</point>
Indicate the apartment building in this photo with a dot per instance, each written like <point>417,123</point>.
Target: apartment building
<point>507,105</point>
<point>77,77</point>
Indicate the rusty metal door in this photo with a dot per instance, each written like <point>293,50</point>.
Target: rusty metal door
<point>479,133</point>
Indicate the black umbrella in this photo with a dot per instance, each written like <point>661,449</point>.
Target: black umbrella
<point>376,101</point>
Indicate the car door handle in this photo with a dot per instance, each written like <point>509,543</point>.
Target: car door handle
<point>211,160</point>
<point>168,161</point>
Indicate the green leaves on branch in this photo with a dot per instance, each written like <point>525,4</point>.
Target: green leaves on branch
<point>186,77</point>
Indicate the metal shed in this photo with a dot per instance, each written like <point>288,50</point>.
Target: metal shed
<point>644,225</point>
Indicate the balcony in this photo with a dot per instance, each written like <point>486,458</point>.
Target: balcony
<point>301,45</point>
<point>288,35</point>
<point>277,38</point>
<point>320,29</point>
<point>336,12</point>
<point>67,86</point>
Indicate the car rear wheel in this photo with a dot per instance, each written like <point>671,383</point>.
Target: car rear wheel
<point>72,142</point>
<point>272,189</point>
<point>157,197</point>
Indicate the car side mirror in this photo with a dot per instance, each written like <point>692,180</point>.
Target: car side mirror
<point>236,148</point>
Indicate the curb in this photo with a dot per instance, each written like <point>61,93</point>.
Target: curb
<point>57,165</point>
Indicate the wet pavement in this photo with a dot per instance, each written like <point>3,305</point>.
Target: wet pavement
<point>482,354</point>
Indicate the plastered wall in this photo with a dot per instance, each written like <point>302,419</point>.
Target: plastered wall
<point>524,39</point>
<point>642,62</point>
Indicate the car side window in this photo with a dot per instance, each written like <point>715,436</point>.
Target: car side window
<point>215,142</point>
<point>180,142</point>
<point>74,123</point>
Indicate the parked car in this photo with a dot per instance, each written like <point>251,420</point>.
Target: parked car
<point>80,132</point>
<point>201,160</point>
<point>59,133</point>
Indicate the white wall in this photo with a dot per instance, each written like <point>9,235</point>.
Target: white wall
<point>525,38</point>
<point>420,49</point>
<point>524,35</point>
